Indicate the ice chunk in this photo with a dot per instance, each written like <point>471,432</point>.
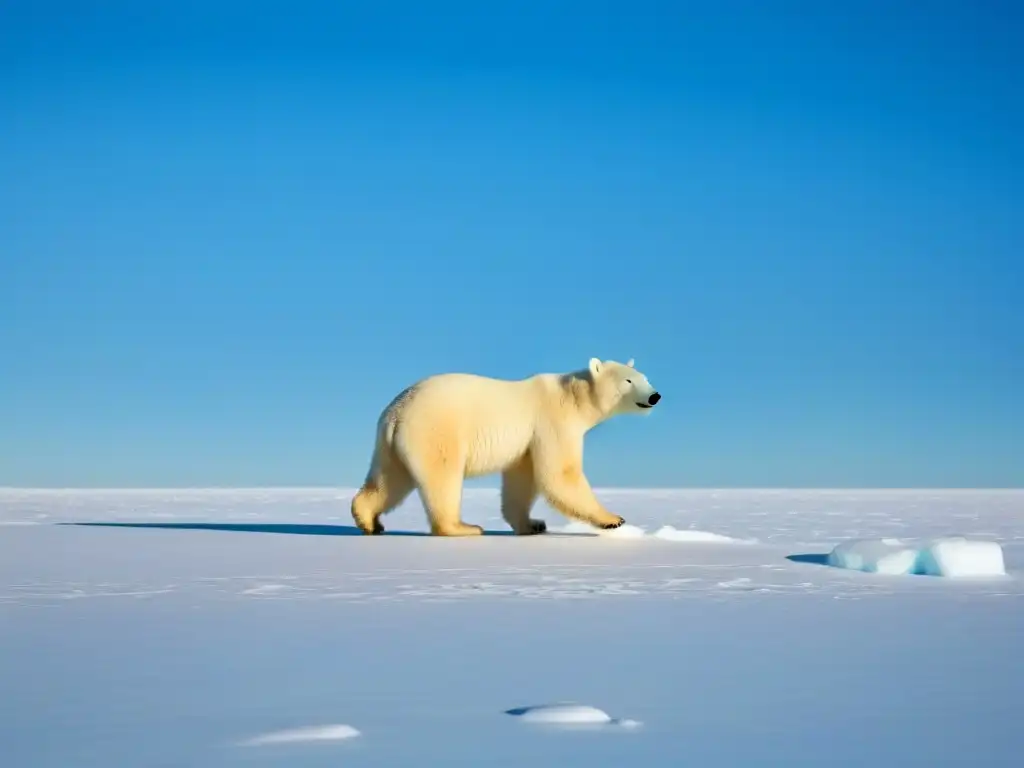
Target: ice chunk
<point>952,557</point>
<point>956,556</point>
<point>570,714</point>
<point>562,714</point>
<point>887,556</point>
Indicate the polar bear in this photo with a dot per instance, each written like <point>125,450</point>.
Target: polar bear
<point>451,426</point>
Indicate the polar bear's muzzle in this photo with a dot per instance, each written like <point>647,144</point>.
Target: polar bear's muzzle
<point>651,401</point>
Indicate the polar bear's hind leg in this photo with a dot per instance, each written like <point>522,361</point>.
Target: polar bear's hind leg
<point>387,485</point>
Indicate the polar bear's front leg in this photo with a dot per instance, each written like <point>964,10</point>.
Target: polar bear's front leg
<point>518,493</point>
<point>571,494</point>
<point>558,469</point>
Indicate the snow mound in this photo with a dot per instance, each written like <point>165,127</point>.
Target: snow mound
<point>307,733</point>
<point>951,557</point>
<point>568,714</point>
<point>667,532</point>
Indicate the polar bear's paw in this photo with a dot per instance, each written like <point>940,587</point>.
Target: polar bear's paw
<point>370,528</point>
<point>619,522</point>
<point>530,528</point>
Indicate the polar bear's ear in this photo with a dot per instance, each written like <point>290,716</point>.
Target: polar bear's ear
<point>629,363</point>
<point>595,366</point>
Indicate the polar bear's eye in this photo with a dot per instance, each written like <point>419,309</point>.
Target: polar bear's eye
<point>628,381</point>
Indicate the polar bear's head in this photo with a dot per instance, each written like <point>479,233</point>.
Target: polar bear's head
<point>621,388</point>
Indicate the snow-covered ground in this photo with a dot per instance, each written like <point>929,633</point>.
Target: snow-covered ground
<point>253,627</point>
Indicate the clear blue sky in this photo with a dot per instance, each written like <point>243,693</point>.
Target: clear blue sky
<point>232,231</point>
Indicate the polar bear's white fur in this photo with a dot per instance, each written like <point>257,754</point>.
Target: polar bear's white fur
<point>456,425</point>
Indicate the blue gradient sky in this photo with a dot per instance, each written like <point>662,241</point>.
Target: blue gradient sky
<point>232,231</point>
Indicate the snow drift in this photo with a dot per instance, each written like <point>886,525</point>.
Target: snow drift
<point>667,532</point>
<point>336,732</point>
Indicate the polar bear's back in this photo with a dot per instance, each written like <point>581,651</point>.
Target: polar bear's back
<point>468,400</point>
<point>485,422</point>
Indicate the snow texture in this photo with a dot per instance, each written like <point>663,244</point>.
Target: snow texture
<point>172,627</point>
<point>675,534</point>
<point>952,557</point>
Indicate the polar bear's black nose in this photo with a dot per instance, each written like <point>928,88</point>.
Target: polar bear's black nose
<point>653,399</point>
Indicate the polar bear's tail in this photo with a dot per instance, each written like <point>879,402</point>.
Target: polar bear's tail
<point>384,453</point>
<point>387,424</point>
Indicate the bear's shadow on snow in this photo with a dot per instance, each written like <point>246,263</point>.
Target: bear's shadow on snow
<point>295,529</point>
<point>811,558</point>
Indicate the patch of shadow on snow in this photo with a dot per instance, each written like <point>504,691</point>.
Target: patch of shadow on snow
<point>299,529</point>
<point>810,558</point>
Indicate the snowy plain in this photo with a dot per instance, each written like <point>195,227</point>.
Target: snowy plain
<point>256,627</point>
